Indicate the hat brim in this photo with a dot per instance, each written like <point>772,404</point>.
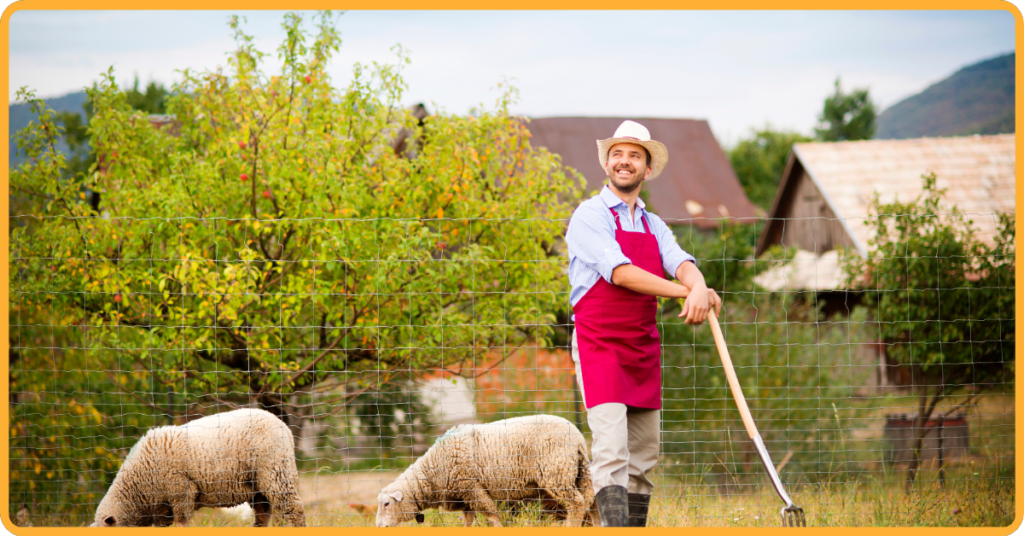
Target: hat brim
<point>659,154</point>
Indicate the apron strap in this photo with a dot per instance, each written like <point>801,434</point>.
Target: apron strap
<point>616,218</point>
<point>619,225</point>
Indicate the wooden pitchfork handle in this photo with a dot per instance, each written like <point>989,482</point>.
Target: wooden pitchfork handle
<point>748,422</point>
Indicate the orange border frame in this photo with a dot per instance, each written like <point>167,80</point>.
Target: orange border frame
<point>832,5</point>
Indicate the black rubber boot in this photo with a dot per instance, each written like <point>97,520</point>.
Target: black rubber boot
<point>638,505</point>
<point>613,506</point>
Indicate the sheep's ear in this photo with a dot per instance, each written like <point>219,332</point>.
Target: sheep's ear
<point>397,495</point>
<point>109,521</point>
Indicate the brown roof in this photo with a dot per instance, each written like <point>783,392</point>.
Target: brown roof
<point>698,176</point>
<point>976,171</point>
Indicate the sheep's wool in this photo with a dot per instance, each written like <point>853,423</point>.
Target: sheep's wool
<point>474,465</point>
<point>221,460</point>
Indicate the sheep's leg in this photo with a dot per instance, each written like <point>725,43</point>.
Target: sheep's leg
<point>578,510</point>
<point>182,514</point>
<point>469,517</point>
<point>482,503</point>
<point>185,503</point>
<point>288,505</point>
<point>262,510</point>
<point>572,501</point>
<point>550,507</point>
<point>594,514</point>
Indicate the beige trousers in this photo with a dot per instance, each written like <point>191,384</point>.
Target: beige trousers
<point>626,441</point>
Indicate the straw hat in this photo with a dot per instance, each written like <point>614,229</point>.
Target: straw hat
<point>637,134</point>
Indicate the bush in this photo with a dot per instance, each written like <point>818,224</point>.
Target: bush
<point>943,298</point>
<point>795,374</point>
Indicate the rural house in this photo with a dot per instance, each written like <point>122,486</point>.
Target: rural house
<point>698,185</point>
<point>824,195</point>
<point>822,201</point>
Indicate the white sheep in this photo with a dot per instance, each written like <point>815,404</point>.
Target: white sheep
<point>222,460</point>
<point>473,466</point>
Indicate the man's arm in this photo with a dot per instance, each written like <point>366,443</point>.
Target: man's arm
<point>639,280</point>
<point>591,241</point>
<point>699,298</point>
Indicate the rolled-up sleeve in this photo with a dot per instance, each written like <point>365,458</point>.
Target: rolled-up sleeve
<point>591,240</point>
<point>671,254</point>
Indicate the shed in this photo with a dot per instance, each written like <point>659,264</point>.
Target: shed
<point>825,191</point>
<point>698,186</point>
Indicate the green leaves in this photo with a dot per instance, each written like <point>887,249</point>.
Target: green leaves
<point>847,116</point>
<point>943,295</point>
<point>760,160</point>
<point>335,247</point>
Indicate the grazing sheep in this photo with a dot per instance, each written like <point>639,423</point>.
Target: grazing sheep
<point>473,466</point>
<point>222,460</point>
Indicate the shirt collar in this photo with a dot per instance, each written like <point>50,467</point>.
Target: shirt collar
<point>612,200</point>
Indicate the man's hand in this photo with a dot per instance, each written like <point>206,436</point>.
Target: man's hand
<point>698,303</point>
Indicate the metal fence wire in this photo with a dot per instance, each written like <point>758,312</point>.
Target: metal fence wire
<point>390,351</point>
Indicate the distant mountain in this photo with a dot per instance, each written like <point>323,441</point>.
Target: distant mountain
<point>978,99</point>
<point>20,115</point>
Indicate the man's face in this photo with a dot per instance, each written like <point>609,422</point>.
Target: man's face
<point>627,166</point>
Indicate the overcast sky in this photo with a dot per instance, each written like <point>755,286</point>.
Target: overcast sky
<point>736,69</point>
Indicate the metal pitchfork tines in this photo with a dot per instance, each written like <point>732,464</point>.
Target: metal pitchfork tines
<point>792,515</point>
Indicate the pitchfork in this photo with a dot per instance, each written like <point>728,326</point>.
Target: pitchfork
<point>792,515</point>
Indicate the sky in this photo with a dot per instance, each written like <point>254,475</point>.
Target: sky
<point>739,70</point>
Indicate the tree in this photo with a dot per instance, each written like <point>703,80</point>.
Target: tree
<point>153,100</point>
<point>277,247</point>
<point>80,155</point>
<point>943,298</point>
<point>760,160</point>
<point>847,116</point>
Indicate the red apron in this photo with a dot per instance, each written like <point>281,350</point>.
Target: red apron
<point>616,334</point>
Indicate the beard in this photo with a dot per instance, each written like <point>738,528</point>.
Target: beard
<point>624,185</point>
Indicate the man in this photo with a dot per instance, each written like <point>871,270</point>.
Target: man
<point>618,255</point>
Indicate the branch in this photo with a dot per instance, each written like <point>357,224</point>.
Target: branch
<point>492,367</point>
<point>326,351</point>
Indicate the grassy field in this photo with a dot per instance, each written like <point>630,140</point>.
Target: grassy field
<point>972,497</point>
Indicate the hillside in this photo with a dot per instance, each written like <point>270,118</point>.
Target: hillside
<point>978,99</point>
<point>20,115</point>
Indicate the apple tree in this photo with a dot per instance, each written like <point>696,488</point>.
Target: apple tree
<point>277,245</point>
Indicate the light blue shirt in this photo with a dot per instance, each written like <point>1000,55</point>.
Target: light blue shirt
<point>593,250</point>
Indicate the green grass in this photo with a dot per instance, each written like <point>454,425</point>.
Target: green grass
<point>974,496</point>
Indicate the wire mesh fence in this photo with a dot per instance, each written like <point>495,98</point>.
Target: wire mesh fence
<point>381,342</point>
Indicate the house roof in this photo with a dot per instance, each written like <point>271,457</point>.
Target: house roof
<point>698,185</point>
<point>976,171</point>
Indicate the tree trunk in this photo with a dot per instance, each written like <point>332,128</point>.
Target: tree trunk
<point>924,412</point>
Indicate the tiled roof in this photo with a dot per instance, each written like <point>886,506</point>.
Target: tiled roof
<point>976,171</point>
<point>698,186</point>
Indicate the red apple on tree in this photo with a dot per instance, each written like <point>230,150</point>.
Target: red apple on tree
<point>266,193</point>
<point>117,298</point>
<point>241,145</point>
<point>244,177</point>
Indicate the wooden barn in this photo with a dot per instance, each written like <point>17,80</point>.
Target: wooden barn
<point>823,197</point>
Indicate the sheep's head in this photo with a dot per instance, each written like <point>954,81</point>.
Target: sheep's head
<point>393,510</point>
<point>110,514</point>
<point>116,510</point>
